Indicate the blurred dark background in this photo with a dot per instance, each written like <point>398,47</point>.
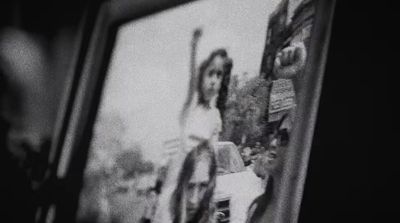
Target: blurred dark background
<point>352,171</point>
<point>39,45</point>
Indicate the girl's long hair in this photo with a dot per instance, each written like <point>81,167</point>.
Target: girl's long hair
<point>177,200</point>
<point>223,91</point>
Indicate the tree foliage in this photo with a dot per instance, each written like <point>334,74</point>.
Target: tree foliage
<point>245,116</point>
<point>132,163</point>
<point>106,141</point>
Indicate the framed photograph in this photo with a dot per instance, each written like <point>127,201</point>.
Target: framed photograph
<point>194,111</point>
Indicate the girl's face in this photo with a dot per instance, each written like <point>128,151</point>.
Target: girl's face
<point>212,78</point>
<point>197,187</point>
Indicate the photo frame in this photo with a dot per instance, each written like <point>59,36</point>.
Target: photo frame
<point>141,99</point>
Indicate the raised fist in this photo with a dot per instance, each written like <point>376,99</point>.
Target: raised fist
<point>290,61</point>
<point>197,33</point>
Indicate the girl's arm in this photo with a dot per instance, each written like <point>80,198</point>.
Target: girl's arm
<point>193,74</point>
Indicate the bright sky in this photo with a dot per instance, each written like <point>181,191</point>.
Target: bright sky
<point>149,72</point>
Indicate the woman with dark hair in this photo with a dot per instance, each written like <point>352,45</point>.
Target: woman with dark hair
<point>260,209</point>
<point>192,198</point>
<point>269,167</point>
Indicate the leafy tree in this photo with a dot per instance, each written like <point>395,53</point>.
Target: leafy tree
<point>245,116</point>
<point>132,163</point>
<point>106,142</point>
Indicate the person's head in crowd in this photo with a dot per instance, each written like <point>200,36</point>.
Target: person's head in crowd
<point>256,149</point>
<point>246,156</point>
<point>274,155</point>
<point>271,155</point>
<point>270,162</point>
<point>214,77</point>
<point>191,199</point>
<point>266,164</point>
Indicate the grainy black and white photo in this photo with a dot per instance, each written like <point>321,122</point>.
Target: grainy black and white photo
<point>196,113</point>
